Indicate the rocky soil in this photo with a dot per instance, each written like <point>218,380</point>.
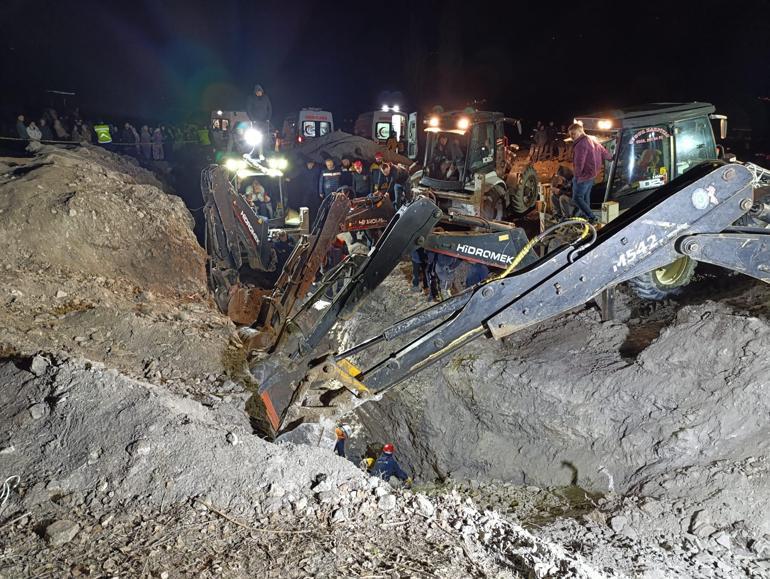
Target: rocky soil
<point>635,448</point>
<point>99,261</point>
<point>667,406</point>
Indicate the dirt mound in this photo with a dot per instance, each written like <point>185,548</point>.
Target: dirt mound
<point>87,211</point>
<point>121,476</point>
<point>100,261</point>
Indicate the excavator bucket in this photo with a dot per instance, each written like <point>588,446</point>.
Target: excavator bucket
<point>279,373</point>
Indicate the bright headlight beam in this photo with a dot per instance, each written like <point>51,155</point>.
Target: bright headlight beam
<point>252,137</point>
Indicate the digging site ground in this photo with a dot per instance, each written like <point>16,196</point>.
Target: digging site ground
<point>634,448</point>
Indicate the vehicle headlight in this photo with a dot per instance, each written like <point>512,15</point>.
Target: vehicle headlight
<point>252,137</point>
<point>604,124</point>
<point>463,123</point>
<point>235,165</point>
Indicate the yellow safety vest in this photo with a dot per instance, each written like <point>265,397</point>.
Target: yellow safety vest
<point>103,134</point>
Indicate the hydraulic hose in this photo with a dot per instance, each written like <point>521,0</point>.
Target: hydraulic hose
<point>587,228</point>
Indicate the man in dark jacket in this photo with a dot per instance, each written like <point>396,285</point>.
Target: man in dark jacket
<point>329,181</point>
<point>260,110</point>
<point>346,178</point>
<point>386,465</point>
<point>259,107</point>
<point>361,185</point>
<point>303,188</point>
<point>21,128</point>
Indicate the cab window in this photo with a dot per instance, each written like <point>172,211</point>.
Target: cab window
<point>643,159</point>
<point>694,143</point>
<point>482,151</point>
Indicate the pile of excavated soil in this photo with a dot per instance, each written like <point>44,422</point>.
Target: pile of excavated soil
<point>99,261</point>
<point>676,414</point>
<point>122,478</point>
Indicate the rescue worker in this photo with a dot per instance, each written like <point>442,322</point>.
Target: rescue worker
<point>337,252</point>
<point>346,170</point>
<point>386,466</point>
<point>343,432</point>
<point>419,269</point>
<point>561,193</point>
<point>303,188</point>
<point>103,136</point>
<point>329,181</point>
<point>360,180</point>
<point>392,142</point>
<point>378,156</point>
<point>588,155</point>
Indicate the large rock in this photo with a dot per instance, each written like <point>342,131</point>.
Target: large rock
<point>61,532</point>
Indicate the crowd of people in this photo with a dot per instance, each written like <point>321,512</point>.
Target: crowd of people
<point>149,142</point>
<point>548,142</point>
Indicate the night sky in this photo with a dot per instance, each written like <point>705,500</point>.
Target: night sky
<point>168,60</point>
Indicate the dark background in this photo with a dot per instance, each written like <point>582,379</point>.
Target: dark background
<point>169,60</point>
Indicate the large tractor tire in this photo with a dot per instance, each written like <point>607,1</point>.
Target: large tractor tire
<point>524,191</point>
<point>492,204</point>
<point>664,282</point>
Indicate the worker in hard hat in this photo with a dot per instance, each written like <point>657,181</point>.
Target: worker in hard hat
<point>386,466</point>
<point>343,432</point>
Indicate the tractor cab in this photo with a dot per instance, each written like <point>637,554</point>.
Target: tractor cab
<point>465,166</point>
<point>650,145</point>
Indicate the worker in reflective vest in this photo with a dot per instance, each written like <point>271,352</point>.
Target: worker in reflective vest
<point>103,134</point>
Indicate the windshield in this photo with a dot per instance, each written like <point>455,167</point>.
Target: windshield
<point>445,156</point>
<point>643,160</point>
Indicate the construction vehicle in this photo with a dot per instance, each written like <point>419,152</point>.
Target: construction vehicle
<point>650,145</point>
<point>253,271</point>
<point>690,216</point>
<point>467,167</point>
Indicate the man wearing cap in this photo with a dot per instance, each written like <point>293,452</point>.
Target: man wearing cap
<point>386,466</point>
<point>360,179</point>
<point>377,162</point>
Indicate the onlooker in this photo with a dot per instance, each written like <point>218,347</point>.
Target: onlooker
<point>58,127</point>
<point>146,141</point>
<point>21,128</point>
<point>45,129</point>
<point>587,156</point>
<point>34,132</point>
<point>157,145</point>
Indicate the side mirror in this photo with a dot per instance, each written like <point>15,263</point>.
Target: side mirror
<point>723,128</point>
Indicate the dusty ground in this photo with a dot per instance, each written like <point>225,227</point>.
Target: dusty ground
<point>666,405</point>
<point>636,448</point>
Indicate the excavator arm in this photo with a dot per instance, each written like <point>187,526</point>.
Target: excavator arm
<point>691,216</point>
